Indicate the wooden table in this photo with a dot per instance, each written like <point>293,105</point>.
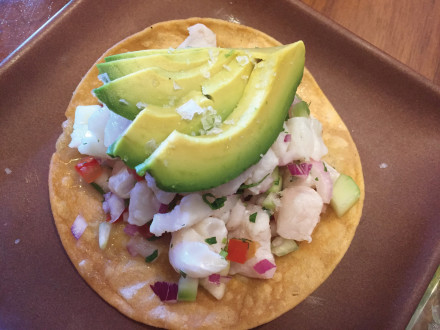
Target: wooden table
<point>408,30</point>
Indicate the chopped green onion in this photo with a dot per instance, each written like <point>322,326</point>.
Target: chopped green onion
<point>246,186</point>
<point>152,256</point>
<point>253,217</point>
<point>223,253</point>
<point>216,204</point>
<point>211,240</point>
<point>98,188</point>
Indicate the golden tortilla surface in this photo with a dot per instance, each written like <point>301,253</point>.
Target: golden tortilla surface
<point>124,281</point>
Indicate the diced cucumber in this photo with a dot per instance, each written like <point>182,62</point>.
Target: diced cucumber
<point>301,109</point>
<point>270,202</point>
<point>281,246</point>
<point>277,181</point>
<point>345,194</point>
<point>104,234</point>
<point>187,288</point>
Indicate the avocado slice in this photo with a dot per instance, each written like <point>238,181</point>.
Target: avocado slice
<point>170,62</point>
<point>149,52</point>
<point>153,124</point>
<point>184,163</point>
<point>156,86</point>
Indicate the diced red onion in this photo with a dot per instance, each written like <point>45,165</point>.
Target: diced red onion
<point>144,230</point>
<point>163,208</point>
<point>214,278</point>
<point>288,138</point>
<point>323,181</point>
<point>165,291</point>
<point>114,205</point>
<point>78,226</point>
<point>301,170</point>
<point>130,229</point>
<point>263,266</point>
<point>138,245</point>
<point>217,279</point>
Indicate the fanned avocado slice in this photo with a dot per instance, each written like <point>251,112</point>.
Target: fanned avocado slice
<point>184,163</point>
<point>148,52</point>
<point>126,95</point>
<point>222,92</point>
<point>170,62</point>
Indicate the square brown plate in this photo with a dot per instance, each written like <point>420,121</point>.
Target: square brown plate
<point>393,115</point>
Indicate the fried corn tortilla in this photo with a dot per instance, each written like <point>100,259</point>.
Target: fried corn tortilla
<point>124,281</point>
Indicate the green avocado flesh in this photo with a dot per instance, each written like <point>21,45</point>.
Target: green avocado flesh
<point>148,52</point>
<point>186,163</point>
<point>157,86</point>
<point>170,62</point>
<point>222,92</point>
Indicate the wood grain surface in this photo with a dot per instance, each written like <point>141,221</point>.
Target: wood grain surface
<point>408,30</point>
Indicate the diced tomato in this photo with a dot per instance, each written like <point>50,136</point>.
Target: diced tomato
<point>89,169</point>
<point>164,208</point>
<point>237,250</point>
<point>136,176</point>
<point>253,246</point>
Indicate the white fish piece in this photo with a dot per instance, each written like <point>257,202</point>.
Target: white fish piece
<point>280,146</point>
<point>199,36</point>
<point>238,213</point>
<point>121,182</point>
<point>224,212</point>
<point>191,210</point>
<point>164,197</point>
<point>93,141</point>
<point>143,204</point>
<point>115,126</point>
<point>231,187</point>
<point>113,205</point>
<point>263,170</point>
<point>191,254</point>
<point>80,125</point>
<point>196,259</point>
<point>305,141</point>
<point>299,213</point>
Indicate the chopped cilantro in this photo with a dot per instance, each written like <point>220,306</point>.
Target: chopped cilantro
<point>216,203</point>
<point>325,167</point>
<point>152,256</point>
<point>253,217</point>
<point>211,240</point>
<point>223,253</point>
<point>182,273</point>
<point>98,188</point>
<point>244,186</point>
<point>316,179</point>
